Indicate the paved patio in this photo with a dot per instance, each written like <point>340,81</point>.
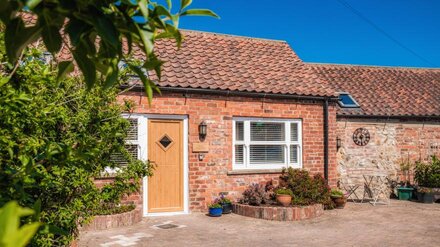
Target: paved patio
<point>399,224</point>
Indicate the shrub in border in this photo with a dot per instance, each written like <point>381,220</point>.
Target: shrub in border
<point>55,138</point>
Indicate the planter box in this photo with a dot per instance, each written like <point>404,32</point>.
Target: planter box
<point>278,213</point>
<point>428,197</point>
<point>425,197</point>
<point>101,222</point>
<point>405,193</point>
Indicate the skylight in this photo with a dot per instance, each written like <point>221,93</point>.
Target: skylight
<point>347,101</point>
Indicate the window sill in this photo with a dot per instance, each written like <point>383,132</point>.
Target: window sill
<point>254,171</point>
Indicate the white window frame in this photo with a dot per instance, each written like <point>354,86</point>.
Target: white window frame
<point>247,142</point>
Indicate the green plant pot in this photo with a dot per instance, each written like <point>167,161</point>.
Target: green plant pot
<point>405,193</point>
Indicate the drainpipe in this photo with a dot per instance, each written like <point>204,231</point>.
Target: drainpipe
<point>326,139</point>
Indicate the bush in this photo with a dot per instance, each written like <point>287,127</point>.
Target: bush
<point>428,174</point>
<point>55,138</point>
<point>306,190</point>
<point>257,194</point>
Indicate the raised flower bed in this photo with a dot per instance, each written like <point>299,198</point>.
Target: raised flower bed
<point>101,222</point>
<point>278,213</point>
<point>307,197</point>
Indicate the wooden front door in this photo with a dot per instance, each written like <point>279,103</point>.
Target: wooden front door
<point>165,150</point>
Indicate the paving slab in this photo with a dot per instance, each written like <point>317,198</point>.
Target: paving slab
<point>401,223</point>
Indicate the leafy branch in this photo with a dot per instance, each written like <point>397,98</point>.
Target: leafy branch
<point>101,33</point>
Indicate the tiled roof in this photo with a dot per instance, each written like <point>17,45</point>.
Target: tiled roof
<point>226,62</point>
<point>385,91</point>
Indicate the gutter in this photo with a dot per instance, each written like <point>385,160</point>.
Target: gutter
<point>325,108</point>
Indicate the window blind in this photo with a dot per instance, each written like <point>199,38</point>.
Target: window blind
<point>239,131</point>
<point>294,132</point>
<point>239,154</point>
<point>118,158</point>
<point>266,154</point>
<point>132,134</point>
<point>266,131</point>
<point>293,154</point>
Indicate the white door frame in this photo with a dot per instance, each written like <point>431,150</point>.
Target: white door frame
<point>143,155</point>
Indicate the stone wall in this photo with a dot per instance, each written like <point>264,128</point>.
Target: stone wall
<point>212,175</point>
<point>391,142</point>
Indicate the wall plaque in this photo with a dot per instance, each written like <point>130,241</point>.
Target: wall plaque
<point>200,147</point>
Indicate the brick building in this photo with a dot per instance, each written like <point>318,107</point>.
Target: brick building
<point>235,110</point>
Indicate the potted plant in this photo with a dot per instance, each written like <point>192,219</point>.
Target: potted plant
<point>338,198</point>
<point>215,210</point>
<point>405,191</point>
<point>284,196</point>
<point>226,204</point>
<point>425,195</point>
<point>427,176</point>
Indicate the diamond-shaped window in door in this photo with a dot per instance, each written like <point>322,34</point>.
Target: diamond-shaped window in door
<point>165,142</point>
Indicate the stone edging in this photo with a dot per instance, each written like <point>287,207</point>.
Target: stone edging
<point>101,222</point>
<point>279,213</point>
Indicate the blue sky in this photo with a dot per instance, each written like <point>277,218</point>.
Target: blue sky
<point>325,31</point>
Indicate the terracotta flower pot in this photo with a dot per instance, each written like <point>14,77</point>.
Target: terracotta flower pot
<point>284,200</point>
<point>340,202</point>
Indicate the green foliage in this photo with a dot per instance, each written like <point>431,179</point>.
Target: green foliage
<point>335,193</point>
<point>55,138</point>
<point>11,234</point>
<point>108,209</point>
<point>306,190</point>
<point>95,33</point>
<point>222,200</point>
<point>428,174</point>
<point>283,191</point>
<point>123,183</point>
<point>215,205</point>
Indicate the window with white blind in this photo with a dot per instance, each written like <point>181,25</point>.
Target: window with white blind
<point>266,143</point>
<point>131,143</point>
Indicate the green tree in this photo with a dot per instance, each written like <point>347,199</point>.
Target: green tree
<point>97,31</point>
<point>55,138</point>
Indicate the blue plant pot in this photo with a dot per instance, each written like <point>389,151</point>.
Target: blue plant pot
<point>215,212</point>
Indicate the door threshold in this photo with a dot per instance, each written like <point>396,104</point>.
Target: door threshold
<point>165,214</point>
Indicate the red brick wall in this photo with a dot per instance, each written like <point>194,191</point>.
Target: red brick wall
<point>207,178</point>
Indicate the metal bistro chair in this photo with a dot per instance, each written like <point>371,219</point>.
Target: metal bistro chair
<point>350,188</point>
<point>375,186</point>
